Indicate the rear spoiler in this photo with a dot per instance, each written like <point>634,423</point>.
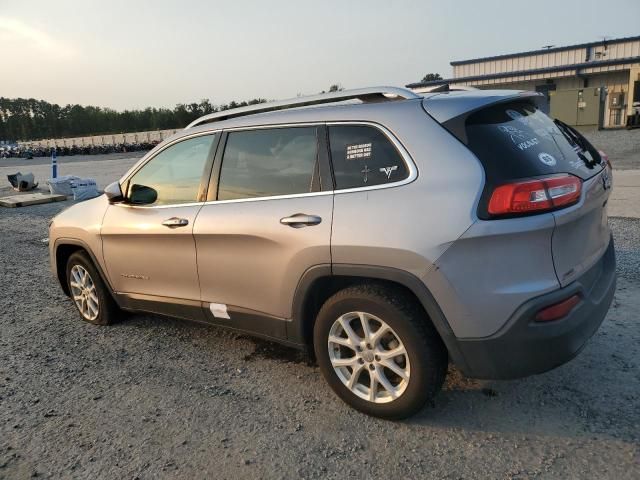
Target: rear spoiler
<point>451,109</point>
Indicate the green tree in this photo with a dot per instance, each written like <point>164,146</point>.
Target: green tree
<point>429,77</point>
<point>31,119</point>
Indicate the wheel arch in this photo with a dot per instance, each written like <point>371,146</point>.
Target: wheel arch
<point>320,282</point>
<point>63,249</point>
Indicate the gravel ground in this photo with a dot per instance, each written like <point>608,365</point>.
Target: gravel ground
<point>67,160</point>
<point>153,397</point>
<point>102,168</point>
<point>622,146</point>
<point>627,238</point>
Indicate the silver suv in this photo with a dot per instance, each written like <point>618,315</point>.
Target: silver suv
<point>387,232</point>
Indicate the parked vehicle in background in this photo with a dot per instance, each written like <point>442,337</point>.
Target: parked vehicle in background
<point>388,232</point>
<point>26,151</point>
<point>9,151</point>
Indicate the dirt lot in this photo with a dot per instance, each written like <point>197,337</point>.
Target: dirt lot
<point>103,168</point>
<point>159,398</point>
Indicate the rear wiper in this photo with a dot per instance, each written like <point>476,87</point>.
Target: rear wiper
<point>570,135</point>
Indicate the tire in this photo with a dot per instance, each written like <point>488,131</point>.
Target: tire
<point>424,365</point>
<point>106,311</point>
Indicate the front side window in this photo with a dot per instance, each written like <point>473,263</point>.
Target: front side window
<point>268,162</point>
<point>174,174</point>
<point>363,156</point>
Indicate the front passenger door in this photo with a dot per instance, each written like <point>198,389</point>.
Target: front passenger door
<point>148,243</point>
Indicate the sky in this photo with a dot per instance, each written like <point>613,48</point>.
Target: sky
<point>133,54</point>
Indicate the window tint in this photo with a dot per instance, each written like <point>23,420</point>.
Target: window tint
<point>175,172</point>
<point>263,163</point>
<point>363,156</point>
<point>517,140</point>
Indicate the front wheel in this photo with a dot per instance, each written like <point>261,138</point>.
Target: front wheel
<point>378,351</point>
<point>88,291</point>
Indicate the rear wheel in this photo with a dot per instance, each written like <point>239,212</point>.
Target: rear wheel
<point>378,352</point>
<point>88,292</point>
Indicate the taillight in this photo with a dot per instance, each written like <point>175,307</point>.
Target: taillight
<point>533,196</point>
<point>558,310</point>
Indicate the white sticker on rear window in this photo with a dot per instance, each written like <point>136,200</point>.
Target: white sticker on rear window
<point>360,150</point>
<point>388,171</point>
<point>528,143</point>
<point>514,133</point>
<point>520,138</point>
<point>547,159</point>
<point>516,115</point>
<point>577,163</point>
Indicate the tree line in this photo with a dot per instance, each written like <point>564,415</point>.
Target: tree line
<point>27,119</point>
<point>30,119</point>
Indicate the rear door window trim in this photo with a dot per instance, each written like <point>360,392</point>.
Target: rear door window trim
<point>214,173</point>
<point>411,166</point>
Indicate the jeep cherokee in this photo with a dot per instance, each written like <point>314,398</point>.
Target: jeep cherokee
<point>387,232</point>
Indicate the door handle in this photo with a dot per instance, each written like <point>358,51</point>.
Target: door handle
<point>299,220</point>
<point>175,222</point>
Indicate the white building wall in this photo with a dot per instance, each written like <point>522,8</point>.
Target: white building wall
<point>520,63</point>
<point>612,51</point>
<point>614,82</point>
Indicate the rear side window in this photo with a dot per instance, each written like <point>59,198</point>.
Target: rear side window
<point>517,140</point>
<point>269,162</point>
<point>363,156</point>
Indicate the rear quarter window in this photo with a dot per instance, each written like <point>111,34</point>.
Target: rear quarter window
<point>363,156</point>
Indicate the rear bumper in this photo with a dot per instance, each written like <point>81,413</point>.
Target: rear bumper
<point>524,347</point>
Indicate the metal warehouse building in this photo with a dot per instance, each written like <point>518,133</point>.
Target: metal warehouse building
<point>593,83</point>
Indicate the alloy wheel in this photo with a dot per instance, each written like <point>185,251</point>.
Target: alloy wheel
<point>368,357</point>
<point>84,293</point>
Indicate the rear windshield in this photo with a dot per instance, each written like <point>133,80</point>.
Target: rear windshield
<point>517,140</point>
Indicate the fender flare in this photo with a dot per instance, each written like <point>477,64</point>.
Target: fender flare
<point>79,243</point>
<point>401,277</point>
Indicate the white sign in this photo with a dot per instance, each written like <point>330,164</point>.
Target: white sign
<point>361,150</point>
<point>547,159</point>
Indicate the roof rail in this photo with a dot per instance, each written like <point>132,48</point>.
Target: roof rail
<point>367,95</point>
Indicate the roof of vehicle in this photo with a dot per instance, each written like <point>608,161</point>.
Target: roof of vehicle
<point>444,106</point>
<point>391,111</point>
<point>364,95</point>
<point>376,104</point>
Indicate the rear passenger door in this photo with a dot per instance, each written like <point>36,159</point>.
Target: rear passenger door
<point>368,163</point>
<point>267,220</point>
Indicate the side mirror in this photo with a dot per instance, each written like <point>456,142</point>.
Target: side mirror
<point>142,195</point>
<point>114,193</point>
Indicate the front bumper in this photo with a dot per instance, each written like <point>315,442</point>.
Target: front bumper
<point>524,347</point>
